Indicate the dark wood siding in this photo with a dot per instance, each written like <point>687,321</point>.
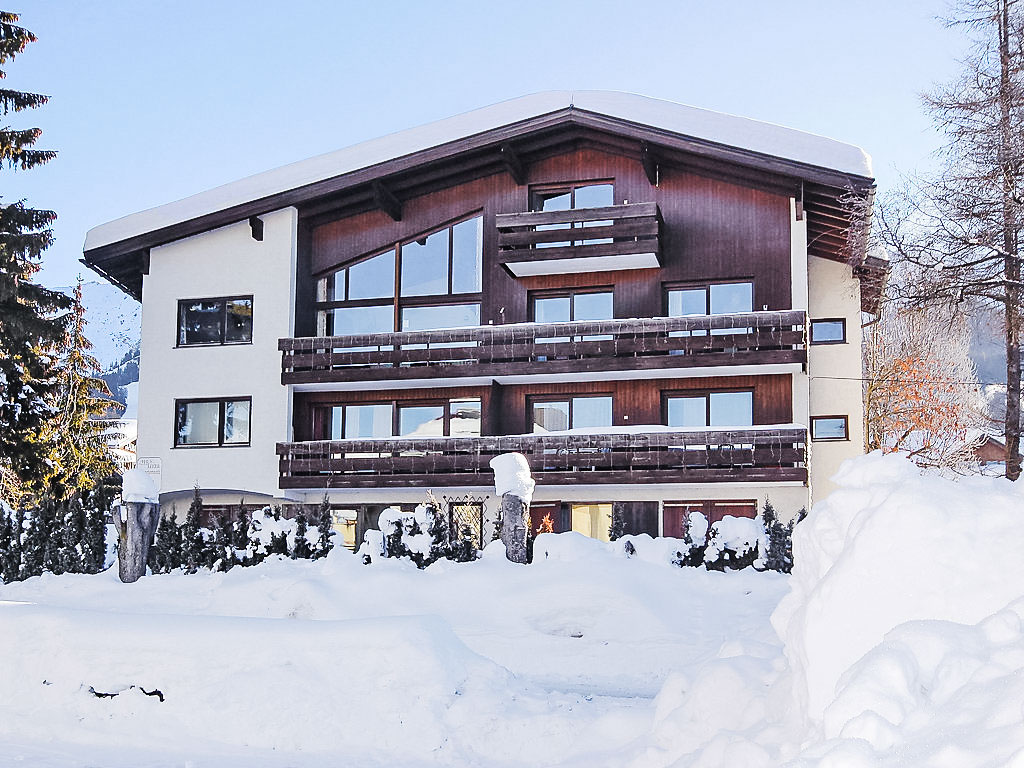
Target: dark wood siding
<point>713,230</point>
<point>637,401</point>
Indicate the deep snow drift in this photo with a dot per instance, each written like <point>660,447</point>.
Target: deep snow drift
<point>902,630</point>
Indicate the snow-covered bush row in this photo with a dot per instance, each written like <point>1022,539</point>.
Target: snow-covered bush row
<point>424,536</point>
<point>66,537</point>
<point>242,539</point>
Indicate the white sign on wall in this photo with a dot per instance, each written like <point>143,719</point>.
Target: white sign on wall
<point>153,467</point>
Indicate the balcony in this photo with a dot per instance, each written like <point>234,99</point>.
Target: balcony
<point>580,240</point>
<point>638,347</point>
<point>648,455</point>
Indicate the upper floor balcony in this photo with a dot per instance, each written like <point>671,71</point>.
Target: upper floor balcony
<point>628,348</point>
<point>641,454</point>
<point>580,239</point>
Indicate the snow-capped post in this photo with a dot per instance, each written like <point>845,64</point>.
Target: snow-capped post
<point>136,524</point>
<point>514,484</point>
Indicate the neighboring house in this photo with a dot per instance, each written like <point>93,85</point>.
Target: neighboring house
<point>659,306</point>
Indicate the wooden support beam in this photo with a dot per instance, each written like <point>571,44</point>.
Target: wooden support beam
<point>513,164</point>
<point>144,261</point>
<point>385,199</point>
<point>649,163</point>
<point>256,225</point>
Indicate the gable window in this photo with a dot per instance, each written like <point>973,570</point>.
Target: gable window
<point>430,282</point>
<point>710,409</point>
<point>830,428</point>
<point>567,197</point>
<point>212,422</point>
<point>828,331</point>
<point>560,413</point>
<point>216,321</point>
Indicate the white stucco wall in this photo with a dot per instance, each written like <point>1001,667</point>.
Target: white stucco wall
<point>223,262</point>
<point>834,369</point>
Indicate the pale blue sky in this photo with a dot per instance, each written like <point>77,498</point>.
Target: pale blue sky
<point>153,101</point>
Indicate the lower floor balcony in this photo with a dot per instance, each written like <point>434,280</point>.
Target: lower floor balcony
<point>642,454</point>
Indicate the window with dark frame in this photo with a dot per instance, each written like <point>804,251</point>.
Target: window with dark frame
<point>429,282</point>
<point>421,418</point>
<point>559,413</point>
<point>828,331</point>
<point>724,298</point>
<point>825,428</point>
<point>572,196</point>
<point>214,321</point>
<point>725,408</point>
<point>212,422</point>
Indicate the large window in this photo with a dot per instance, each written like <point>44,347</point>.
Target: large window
<point>223,320</point>
<point>710,299</point>
<point>565,306</point>
<point>439,418</point>
<point>557,414</point>
<point>212,422</point>
<point>710,409</point>
<point>433,281</point>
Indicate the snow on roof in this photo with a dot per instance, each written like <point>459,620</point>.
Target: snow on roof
<point>718,127</point>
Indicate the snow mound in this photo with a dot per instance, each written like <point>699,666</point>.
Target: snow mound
<point>893,545</point>
<point>138,487</point>
<point>512,475</point>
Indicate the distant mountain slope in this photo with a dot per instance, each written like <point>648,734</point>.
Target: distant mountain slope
<point>113,321</point>
<point>114,326</point>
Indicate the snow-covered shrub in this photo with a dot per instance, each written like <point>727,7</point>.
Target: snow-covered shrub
<point>778,553</point>
<point>734,543</point>
<point>423,536</point>
<point>271,533</point>
<point>695,541</point>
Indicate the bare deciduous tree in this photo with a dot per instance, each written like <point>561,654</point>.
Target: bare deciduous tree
<point>961,228</point>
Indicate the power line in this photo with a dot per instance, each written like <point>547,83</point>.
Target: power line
<point>913,381</point>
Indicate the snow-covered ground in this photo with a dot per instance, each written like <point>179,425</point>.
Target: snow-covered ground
<point>897,648</point>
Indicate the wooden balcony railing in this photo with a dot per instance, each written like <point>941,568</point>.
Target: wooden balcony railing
<point>553,242</point>
<point>751,454</point>
<point>753,338</point>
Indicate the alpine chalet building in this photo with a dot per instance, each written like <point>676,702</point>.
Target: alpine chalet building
<point>659,306</point>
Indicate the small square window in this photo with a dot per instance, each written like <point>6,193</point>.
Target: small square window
<point>831,331</point>
<point>830,428</point>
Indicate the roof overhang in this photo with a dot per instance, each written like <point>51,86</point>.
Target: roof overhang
<point>471,146</point>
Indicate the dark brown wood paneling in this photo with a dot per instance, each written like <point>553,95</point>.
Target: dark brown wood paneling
<point>712,230</point>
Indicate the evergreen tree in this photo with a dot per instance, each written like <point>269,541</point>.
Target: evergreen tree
<point>32,318</point>
<point>192,543</point>
<point>496,533</point>
<point>94,538</point>
<point>82,457</point>
<point>162,553</point>
<point>439,531</point>
<point>240,538</point>
<point>6,546</point>
<point>325,525</point>
<point>33,548</point>
<point>618,527</point>
<point>224,541</point>
<point>51,514</point>
<point>12,557</point>
<point>72,535</point>
<point>301,550</point>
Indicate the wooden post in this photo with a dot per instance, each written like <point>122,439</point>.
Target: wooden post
<point>136,524</point>
<point>513,482</point>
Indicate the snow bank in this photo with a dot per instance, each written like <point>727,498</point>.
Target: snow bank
<point>512,475</point>
<point>893,545</point>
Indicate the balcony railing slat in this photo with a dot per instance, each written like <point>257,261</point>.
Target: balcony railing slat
<point>747,454</point>
<point>507,221</point>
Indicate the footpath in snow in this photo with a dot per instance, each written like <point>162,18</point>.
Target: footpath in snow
<point>897,641</point>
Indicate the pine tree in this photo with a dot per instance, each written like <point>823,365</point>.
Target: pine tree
<point>12,558</point>
<point>324,524</point>
<point>6,546</point>
<point>618,527</point>
<point>31,319</point>
<point>82,457</point>
<point>94,538</point>
<point>301,550</point>
<point>33,548</point>
<point>240,538</point>
<point>72,534</point>
<point>192,544</point>
<point>224,541</point>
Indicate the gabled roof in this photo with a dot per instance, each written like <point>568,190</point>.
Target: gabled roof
<point>118,248</point>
